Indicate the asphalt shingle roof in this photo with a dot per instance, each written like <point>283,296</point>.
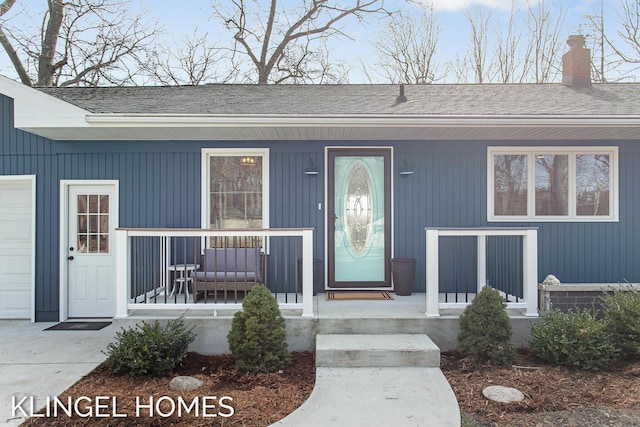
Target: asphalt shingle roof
<point>353,100</point>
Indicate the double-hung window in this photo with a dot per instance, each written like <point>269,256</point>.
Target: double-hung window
<point>235,188</point>
<point>552,184</point>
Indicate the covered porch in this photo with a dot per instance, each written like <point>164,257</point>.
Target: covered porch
<point>161,271</point>
<point>153,264</point>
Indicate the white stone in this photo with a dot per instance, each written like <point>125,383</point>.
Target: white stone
<point>551,280</point>
<point>499,393</point>
<point>185,383</point>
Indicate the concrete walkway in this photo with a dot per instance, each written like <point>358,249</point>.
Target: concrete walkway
<point>376,380</point>
<point>378,397</point>
<point>35,363</point>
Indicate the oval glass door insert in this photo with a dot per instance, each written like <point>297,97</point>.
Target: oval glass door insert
<point>358,208</point>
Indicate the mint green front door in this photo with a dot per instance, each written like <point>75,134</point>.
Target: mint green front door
<point>359,209</point>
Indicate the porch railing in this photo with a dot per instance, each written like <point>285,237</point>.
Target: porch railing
<point>156,268</point>
<point>525,297</point>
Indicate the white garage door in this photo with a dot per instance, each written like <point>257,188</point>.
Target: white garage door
<point>16,240</point>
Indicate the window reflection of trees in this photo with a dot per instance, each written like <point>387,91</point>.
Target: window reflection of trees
<point>557,178</point>
<point>235,198</point>
<point>552,184</point>
<point>236,192</point>
<point>510,182</point>
<point>592,184</point>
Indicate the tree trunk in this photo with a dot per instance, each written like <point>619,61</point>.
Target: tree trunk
<point>559,185</point>
<point>46,69</point>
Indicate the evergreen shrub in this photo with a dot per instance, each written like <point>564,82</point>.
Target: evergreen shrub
<point>622,314</point>
<point>577,339</point>
<point>150,349</point>
<point>258,336</point>
<point>485,330</point>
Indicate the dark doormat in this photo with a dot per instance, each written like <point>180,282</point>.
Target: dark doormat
<point>78,326</point>
<point>357,295</point>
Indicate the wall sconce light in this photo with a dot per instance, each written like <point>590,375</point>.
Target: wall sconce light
<point>248,161</point>
<point>405,170</point>
<point>311,170</point>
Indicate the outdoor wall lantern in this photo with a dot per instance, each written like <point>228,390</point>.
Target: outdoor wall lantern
<point>405,169</point>
<point>311,170</point>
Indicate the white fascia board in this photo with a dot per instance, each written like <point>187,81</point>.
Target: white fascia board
<point>34,109</point>
<point>249,120</point>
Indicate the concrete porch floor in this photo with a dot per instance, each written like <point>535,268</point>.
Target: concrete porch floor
<point>400,307</point>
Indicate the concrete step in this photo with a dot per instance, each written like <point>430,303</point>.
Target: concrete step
<point>376,350</point>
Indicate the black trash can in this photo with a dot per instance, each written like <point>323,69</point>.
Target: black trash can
<point>317,276</point>
<point>404,274</point>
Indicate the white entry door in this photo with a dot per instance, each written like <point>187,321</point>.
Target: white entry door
<point>90,255</point>
<point>16,247</point>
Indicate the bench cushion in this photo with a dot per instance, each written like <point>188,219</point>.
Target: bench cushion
<point>226,276</point>
<point>230,264</point>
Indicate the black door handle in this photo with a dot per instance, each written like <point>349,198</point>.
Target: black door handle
<point>70,258</point>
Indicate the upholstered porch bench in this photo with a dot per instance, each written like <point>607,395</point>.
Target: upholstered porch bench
<point>227,270</point>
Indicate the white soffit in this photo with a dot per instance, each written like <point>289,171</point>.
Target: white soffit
<point>36,110</point>
<point>336,133</point>
<point>292,128</point>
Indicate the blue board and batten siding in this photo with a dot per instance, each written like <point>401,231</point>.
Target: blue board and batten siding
<point>449,189</point>
<point>160,186</point>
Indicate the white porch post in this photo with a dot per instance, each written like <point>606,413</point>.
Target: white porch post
<point>307,273</point>
<point>530,272</point>
<point>122,273</point>
<point>482,261</point>
<point>432,274</point>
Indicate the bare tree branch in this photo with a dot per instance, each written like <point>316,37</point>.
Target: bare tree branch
<point>9,49</point>
<point>630,32</point>
<point>289,39</point>
<point>407,48</point>
<point>545,21</point>
<point>475,61</point>
<point>192,62</point>
<point>80,42</point>
<point>6,5</point>
<point>511,61</point>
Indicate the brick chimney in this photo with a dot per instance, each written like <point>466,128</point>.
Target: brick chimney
<point>576,64</point>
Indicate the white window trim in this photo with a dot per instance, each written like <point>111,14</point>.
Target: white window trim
<point>207,153</point>
<point>572,152</point>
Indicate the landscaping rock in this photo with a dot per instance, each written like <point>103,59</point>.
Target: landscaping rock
<point>502,394</point>
<point>551,280</point>
<point>185,383</point>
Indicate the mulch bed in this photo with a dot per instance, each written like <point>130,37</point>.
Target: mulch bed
<point>553,395</point>
<point>257,399</point>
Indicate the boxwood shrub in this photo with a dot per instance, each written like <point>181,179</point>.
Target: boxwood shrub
<point>150,349</point>
<point>577,339</point>
<point>622,315</point>
<point>258,336</point>
<point>485,330</point>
